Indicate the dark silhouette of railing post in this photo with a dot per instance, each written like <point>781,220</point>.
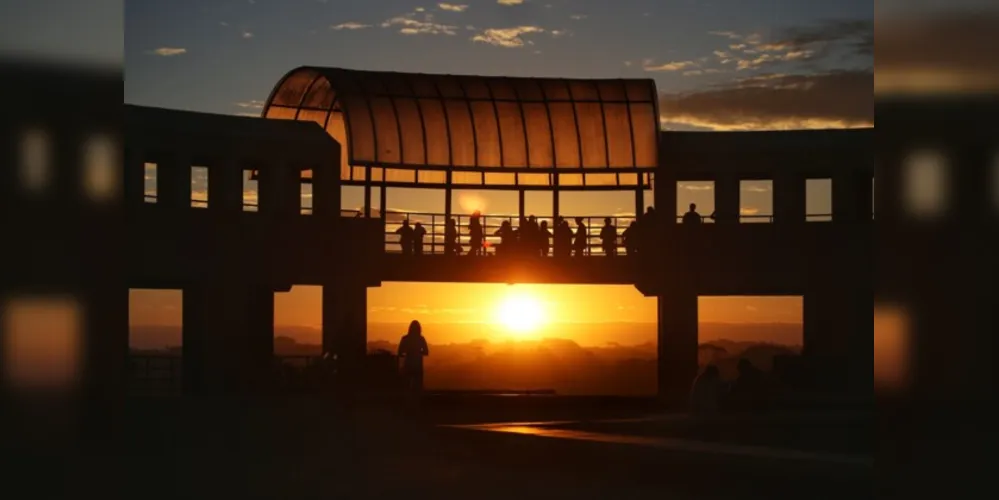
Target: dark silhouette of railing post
<point>726,198</point>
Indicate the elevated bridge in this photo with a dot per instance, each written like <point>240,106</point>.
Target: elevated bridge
<point>381,130</point>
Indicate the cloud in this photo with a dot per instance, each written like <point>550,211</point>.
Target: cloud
<point>695,187</point>
<point>578,17</point>
<point>836,99</point>
<point>410,26</point>
<point>831,39</point>
<point>350,25</point>
<point>670,66</point>
<point>452,7</point>
<point>509,2</point>
<point>255,104</point>
<point>168,51</point>
<point>507,37</point>
<point>223,23</point>
<point>767,59</point>
<point>247,34</point>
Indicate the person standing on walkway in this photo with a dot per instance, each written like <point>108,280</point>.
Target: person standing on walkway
<point>412,349</point>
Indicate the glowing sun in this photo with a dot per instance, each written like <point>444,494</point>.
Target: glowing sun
<point>520,313</point>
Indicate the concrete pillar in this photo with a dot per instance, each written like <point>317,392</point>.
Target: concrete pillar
<point>832,319</point>
<point>726,199</point>
<point>135,178</point>
<point>677,346</point>
<point>326,189</point>
<point>228,337</point>
<point>345,323</point>
<point>665,198</point>
<point>851,196</point>
<point>789,198</point>
<point>173,182</point>
<point>105,356</point>
<point>279,189</point>
<point>225,187</point>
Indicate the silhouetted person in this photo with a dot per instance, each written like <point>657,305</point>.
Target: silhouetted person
<point>608,238</point>
<point>706,393</point>
<point>629,237</point>
<point>645,231</point>
<point>692,217</point>
<point>563,238</point>
<point>418,233</point>
<point>747,391</point>
<point>507,238</point>
<point>579,244</point>
<point>475,234</point>
<point>405,237</point>
<point>451,245</point>
<point>545,235</point>
<point>412,349</point>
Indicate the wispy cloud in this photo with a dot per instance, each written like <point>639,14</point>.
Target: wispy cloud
<point>350,25</point>
<point>248,114</point>
<point>253,103</point>
<point>168,51</point>
<point>450,7</point>
<point>578,17</point>
<point>670,66</point>
<point>507,37</point>
<point>223,23</point>
<point>813,42</point>
<point>408,25</point>
<point>247,34</point>
<point>509,2</point>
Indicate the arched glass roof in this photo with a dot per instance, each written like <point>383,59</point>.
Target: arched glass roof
<point>474,131</point>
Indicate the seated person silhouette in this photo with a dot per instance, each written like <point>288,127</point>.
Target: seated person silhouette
<point>418,233</point>
<point>747,392</point>
<point>706,393</point>
<point>405,237</point>
<point>692,217</point>
<point>412,349</point>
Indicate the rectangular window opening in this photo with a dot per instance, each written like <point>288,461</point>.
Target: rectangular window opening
<point>199,187</point>
<point>250,196</point>
<point>818,200</point>
<point>756,201</point>
<point>149,182</point>
<point>696,198</point>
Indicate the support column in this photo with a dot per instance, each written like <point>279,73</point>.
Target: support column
<point>522,204</point>
<point>726,199</point>
<point>135,178</point>
<point>173,182</point>
<point>228,337</point>
<point>666,199</point>
<point>826,336</point>
<point>225,187</point>
<point>639,202</point>
<point>279,188</point>
<point>677,346</point>
<point>789,198</point>
<point>367,192</point>
<point>326,189</point>
<point>345,323</point>
<point>851,196</point>
<point>105,356</point>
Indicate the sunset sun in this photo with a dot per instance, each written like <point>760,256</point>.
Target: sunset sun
<point>520,313</point>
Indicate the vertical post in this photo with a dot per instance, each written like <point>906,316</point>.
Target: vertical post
<point>326,189</point>
<point>225,187</point>
<point>789,197</point>
<point>555,200</point>
<point>677,345</point>
<point>522,204</point>
<point>367,192</point>
<point>666,198</point>
<point>173,182</point>
<point>382,209</point>
<point>726,198</point>
<point>639,201</point>
<point>135,182</point>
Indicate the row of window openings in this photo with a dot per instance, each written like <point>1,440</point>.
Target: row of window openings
<point>756,200</point>
<point>199,189</point>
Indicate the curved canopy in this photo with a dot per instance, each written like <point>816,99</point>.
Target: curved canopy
<point>474,131</point>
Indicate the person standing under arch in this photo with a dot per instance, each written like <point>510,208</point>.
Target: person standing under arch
<point>412,349</point>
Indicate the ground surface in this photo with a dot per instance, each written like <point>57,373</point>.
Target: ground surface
<point>308,448</point>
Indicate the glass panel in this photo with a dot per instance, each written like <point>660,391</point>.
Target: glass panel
<point>432,177</point>
<point>486,133</point>
<point>591,131</point>
<point>462,136</point>
<point>601,179</point>
<point>281,113</point>
<point>539,137</point>
<point>528,89</point>
<point>500,179</point>
<point>293,88</point>
<point>438,146</point>
<point>626,179</point>
<point>639,91</point>
<point>644,124</point>
<point>618,135</point>
<point>362,135</point>
<point>449,88</point>
<point>320,95</point>
<point>357,173</point>
<point>502,89</point>
<point>566,140</point>
<point>399,175</point>
<point>512,130</point>
<point>315,116</point>
<point>475,88</point>
<point>555,90</point>
<point>377,174</point>
<point>387,138</point>
<point>570,179</point>
<point>412,132</point>
<point>583,91</point>
<point>533,179</point>
<point>474,178</point>
<point>611,91</point>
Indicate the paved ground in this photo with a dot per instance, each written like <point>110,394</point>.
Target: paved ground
<point>303,448</point>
